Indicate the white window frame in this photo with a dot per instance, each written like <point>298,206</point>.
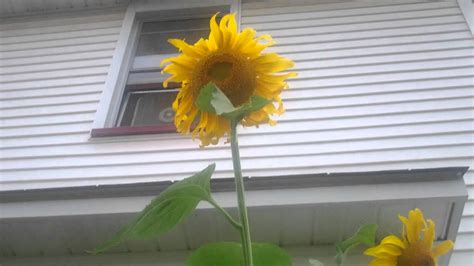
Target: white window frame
<point>138,11</point>
<point>467,8</point>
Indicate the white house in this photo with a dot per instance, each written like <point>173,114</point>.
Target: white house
<point>380,120</point>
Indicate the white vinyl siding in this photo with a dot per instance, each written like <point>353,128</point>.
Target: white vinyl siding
<point>382,85</point>
<point>398,78</point>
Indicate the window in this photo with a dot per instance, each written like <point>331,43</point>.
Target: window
<point>141,105</point>
<point>145,101</point>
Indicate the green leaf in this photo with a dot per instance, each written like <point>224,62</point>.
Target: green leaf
<point>230,254</point>
<point>256,103</point>
<point>211,99</point>
<point>167,210</point>
<point>365,235</point>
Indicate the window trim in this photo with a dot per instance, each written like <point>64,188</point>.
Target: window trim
<point>123,59</point>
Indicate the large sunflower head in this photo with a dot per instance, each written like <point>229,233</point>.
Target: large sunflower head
<point>414,249</point>
<point>234,62</point>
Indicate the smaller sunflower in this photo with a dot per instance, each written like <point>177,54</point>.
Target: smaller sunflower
<point>412,249</point>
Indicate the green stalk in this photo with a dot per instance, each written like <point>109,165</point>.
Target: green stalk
<point>229,218</point>
<point>239,185</point>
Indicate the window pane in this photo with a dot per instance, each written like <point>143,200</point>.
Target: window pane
<point>157,43</point>
<point>175,25</point>
<point>148,108</point>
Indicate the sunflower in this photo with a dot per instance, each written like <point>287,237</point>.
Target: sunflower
<point>234,62</point>
<point>411,250</point>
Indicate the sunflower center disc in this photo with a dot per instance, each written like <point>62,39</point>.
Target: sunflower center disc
<point>416,255</point>
<point>220,71</point>
<point>233,74</point>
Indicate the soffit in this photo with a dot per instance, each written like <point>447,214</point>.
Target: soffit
<point>306,210</point>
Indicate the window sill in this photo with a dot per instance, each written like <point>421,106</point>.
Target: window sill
<point>130,131</point>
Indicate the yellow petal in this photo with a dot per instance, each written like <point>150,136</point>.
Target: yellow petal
<point>245,37</point>
<point>186,48</point>
<point>393,240</point>
<point>429,234</point>
<point>443,248</point>
<point>383,262</point>
<point>226,34</point>
<point>272,63</point>
<point>215,36</point>
<point>384,251</point>
<point>414,224</point>
<point>232,27</point>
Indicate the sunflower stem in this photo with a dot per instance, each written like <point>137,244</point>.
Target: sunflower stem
<point>229,217</point>
<point>239,185</point>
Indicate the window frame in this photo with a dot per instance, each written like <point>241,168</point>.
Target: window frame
<point>124,58</point>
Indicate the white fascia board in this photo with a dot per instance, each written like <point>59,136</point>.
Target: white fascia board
<point>451,190</point>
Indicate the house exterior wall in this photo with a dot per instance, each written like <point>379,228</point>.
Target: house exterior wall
<point>381,85</point>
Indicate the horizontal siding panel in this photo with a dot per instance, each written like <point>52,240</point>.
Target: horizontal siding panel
<point>273,147</point>
<point>308,125</point>
<point>64,21</point>
<point>288,132</point>
<point>51,110</point>
<point>386,68</point>
<point>36,33</point>
<point>307,45</point>
<point>388,76</point>
<point>467,225</point>
<point>367,37</point>
<point>73,80</point>
<point>322,100</point>
<point>8,49</point>
<point>461,258</point>
<point>249,163</point>
<point>51,141</point>
<point>295,54</point>
<point>464,242</point>
<point>363,107</point>
<point>361,89</point>
<point>263,8</point>
<point>83,116</point>
<point>469,209</point>
<point>57,51</point>
<point>103,52</point>
<point>35,68</point>
<point>462,53</point>
<point>55,91</point>
<point>56,130</point>
<point>401,24</point>
<point>88,30</point>
<point>469,177</point>
<point>307,13</point>
<point>402,88</point>
<point>332,47</point>
<point>49,101</point>
<point>56,74</point>
<point>352,20</point>
<point>382,78</point>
